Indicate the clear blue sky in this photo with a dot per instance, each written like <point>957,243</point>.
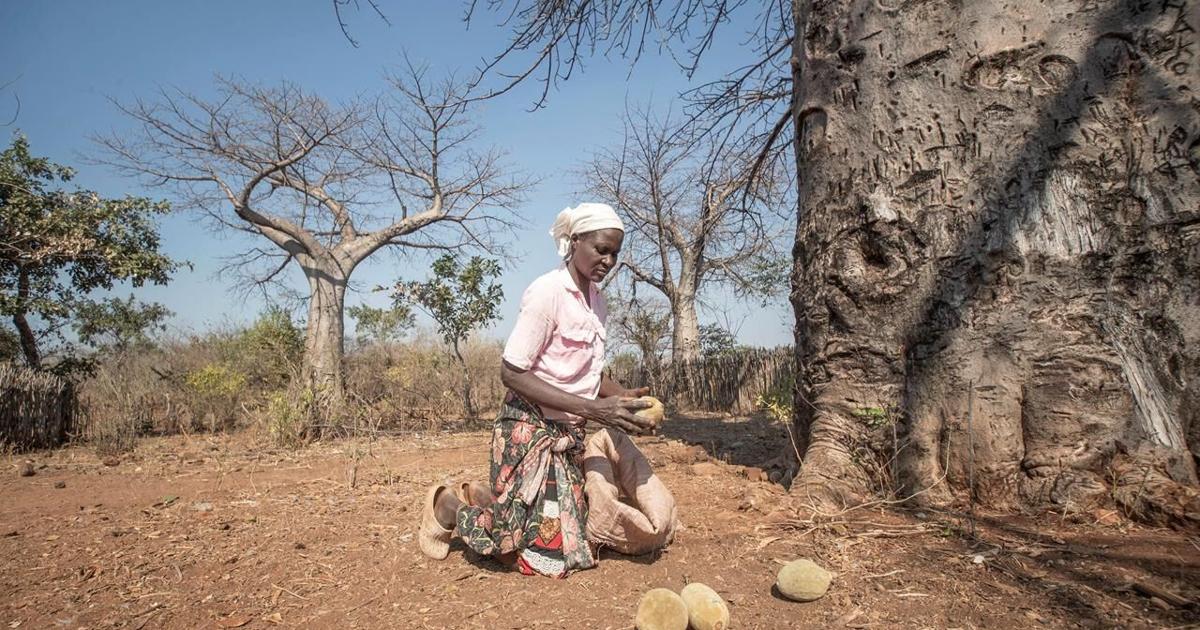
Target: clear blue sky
<point>69,57</point>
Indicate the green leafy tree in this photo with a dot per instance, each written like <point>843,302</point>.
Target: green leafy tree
<point>271,348</point>
<point>716,341</point>
<point>58,246</point>
<point>118,325</point>
<point>460,298</point>
<point>10,346</point>
<point>381,325</point>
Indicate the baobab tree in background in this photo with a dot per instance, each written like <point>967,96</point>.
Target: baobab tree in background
<point>692,218</point>
<point>995,247</point>
<point>327,185</point>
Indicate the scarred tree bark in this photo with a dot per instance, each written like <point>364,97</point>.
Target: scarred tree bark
<point>999,197</point>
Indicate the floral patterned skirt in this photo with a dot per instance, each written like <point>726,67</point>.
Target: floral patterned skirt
<point>538,508</point>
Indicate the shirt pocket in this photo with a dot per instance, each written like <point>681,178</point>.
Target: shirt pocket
<point>571,357</point>
<point>577,338</point>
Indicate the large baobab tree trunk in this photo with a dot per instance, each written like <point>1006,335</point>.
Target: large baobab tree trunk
<point>324,337</point>
<point>685,329</point>
<point>998,249</point>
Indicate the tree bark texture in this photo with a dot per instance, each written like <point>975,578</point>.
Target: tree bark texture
<point>468,404</point>
<point>325,333</point>
<point>29,345</point>
<point>685,325</point>
<point>1001,196</point>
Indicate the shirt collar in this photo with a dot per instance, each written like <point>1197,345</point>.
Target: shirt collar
<point>568,282</point>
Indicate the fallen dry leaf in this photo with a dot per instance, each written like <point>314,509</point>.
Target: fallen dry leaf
<point>762,544</point>
<point>235,621</point>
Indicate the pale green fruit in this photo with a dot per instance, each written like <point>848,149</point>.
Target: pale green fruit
<point>661,609</point>
<point>706,609</point>
<point>803,580</point>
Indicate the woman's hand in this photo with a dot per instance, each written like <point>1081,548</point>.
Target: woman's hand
<point>618,412</point>
<point>635,393</point>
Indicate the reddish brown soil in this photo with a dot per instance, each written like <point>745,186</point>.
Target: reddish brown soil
<point>222,532</point>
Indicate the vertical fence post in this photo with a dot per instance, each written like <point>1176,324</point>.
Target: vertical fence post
<point>729,384</point>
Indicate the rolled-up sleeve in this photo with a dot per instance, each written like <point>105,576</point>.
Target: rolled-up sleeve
<point>535,326</point>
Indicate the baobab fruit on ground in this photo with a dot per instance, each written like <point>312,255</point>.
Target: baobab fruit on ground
<point>803,580</point>
<point>706,609</point>
<point>661,609</point>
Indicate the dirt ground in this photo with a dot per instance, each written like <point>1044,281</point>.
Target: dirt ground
<point>224,532</point>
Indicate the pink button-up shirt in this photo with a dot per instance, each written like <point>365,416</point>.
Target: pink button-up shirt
<point>559,338</point>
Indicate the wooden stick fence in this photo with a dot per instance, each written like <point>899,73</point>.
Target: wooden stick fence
<point>730,383</point>
<point>37,410</point>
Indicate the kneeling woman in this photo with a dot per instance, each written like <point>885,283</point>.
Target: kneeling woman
<point>553,367</point>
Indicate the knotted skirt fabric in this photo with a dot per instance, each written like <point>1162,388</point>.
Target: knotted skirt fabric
<point>538,508</point>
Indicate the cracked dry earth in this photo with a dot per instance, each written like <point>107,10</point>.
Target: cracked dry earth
<point>225,532</point>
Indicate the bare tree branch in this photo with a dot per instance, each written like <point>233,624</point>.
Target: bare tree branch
<point>337,11</point>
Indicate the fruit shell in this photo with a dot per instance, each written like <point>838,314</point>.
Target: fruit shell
<point>706,609</point>
<point>803,580</point>
<point>654,412</point>
<point>661,609</point>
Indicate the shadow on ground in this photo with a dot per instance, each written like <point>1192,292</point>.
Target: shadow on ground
<point>743,440</point>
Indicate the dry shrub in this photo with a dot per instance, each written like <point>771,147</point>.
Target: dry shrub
<point>417,384</point>
<point>289,415</point>
<point>120,402</point>
<point>231,377</point>
<point>202,382</point>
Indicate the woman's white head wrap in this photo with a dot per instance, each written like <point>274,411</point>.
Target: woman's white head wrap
<point>586,217</point>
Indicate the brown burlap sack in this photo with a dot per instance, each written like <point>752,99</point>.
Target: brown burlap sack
<point>629,508</point>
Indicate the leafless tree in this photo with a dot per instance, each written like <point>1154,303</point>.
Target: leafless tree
<point>326,185</point>
<point>691,219</point>
<point>642,323</point>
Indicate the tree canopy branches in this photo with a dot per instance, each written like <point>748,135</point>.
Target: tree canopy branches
<point>58,246</point>
<point>322,180</point>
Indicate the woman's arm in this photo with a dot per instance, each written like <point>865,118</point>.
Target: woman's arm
<point>611,411</point>
<point>609,387</point>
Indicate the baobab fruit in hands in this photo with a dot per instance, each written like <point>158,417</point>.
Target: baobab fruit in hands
<point>661,609</point>
<point>706,609</point>
<point>653,413</point>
